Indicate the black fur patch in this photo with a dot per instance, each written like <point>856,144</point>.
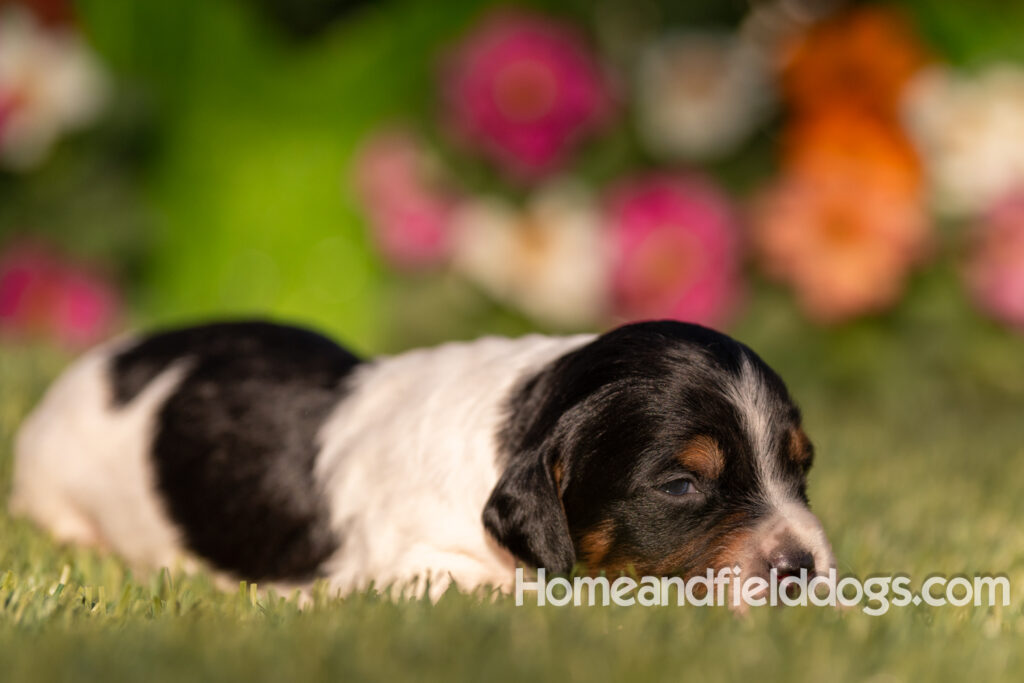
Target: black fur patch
<point>235,443</point>
<point>611,419</point>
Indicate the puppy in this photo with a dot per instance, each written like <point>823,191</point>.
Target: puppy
<point>269,453</point>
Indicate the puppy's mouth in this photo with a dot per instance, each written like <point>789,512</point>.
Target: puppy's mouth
<point>790,542</point>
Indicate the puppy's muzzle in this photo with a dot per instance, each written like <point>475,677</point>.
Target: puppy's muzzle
<point>789,540</point>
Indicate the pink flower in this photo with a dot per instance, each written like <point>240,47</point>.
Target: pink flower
<point>995,270</point>
<point>42,295</point>
<point>524,90</point>
<point>677,250</point>
<point>408,207</point>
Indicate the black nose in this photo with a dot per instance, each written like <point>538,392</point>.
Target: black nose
<point>789,561</point>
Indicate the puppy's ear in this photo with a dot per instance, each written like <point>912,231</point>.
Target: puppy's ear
<point>525,514</point>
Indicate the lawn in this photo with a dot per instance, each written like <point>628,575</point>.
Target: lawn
<point>218,187</point>
<point>920,437</point>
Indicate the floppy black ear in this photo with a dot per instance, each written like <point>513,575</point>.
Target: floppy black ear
<point>525,512</point>
<point>525,515</point>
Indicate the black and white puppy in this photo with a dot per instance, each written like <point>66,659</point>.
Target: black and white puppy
<point>270,453</point>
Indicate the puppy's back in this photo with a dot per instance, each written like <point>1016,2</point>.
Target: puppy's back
<point>200,438</point>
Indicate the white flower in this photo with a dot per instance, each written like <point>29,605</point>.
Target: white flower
<point>970,132</point>
<point>700,95</point>
<point>49,83</point>
<point>549,259</point>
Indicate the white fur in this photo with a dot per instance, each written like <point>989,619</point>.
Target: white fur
<point>410,454</point>
<point>789,515</point>
<point>426,469</point>
<point>406,461</point>
<point>83,470</point>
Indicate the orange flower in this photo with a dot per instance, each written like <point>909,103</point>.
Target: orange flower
<point>845,223</point>
<point>858,146</point>
<point>846,248</point>
<point>860,59</point>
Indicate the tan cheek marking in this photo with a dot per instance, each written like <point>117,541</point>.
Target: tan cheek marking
<point>728,541</point>
<point>596,543</point>
<point>675,563</point>
<point>729,545</point>
<point>703,456</point>
<point>800,449</point>
<point>734,550</point>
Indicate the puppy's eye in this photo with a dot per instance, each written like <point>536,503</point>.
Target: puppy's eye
<point>678,487</point>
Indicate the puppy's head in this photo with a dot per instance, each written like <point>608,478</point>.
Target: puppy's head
<point>664,448</point>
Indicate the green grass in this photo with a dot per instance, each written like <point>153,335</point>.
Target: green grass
<point>918,417</point>
<point>920,437</point>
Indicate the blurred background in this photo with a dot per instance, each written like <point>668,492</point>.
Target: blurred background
<point>808,174</point>
<point>838,184</point>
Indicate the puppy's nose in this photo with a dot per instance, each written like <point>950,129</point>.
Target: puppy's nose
<point>789,560</point>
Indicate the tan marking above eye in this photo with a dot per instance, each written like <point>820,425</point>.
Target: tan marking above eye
<point>800,448</point>
<point>703,457</point>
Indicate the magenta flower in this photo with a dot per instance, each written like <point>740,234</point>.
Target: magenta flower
<point>995,269</point>
<point>43,295</point>
<point>677,250</point>
<point>408,208</point>
<point>523,90</point>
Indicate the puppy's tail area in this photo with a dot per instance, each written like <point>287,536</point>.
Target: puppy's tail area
<point>47,447</point>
